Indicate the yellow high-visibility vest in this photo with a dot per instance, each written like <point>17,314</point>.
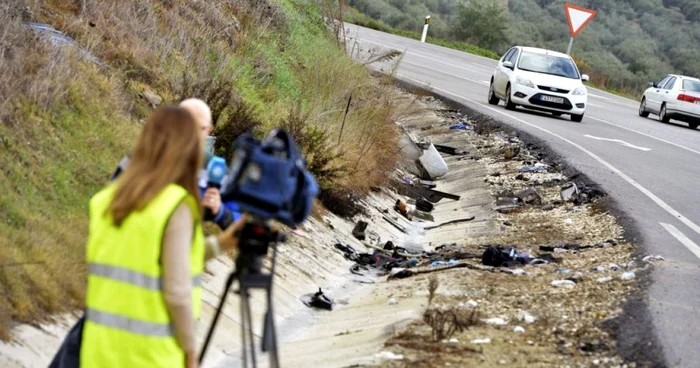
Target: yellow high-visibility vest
<point>127,323</point>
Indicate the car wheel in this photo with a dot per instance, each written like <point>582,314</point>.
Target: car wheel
<point>663,115</point>
<point>493,100</point>
<point>577,118</point>
<point>643,108</point>
<point>509,104</point>
<point>693,125</point>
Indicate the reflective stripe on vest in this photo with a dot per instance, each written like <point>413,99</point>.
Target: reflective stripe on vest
<point>128,324</point>
<point>132,277</point>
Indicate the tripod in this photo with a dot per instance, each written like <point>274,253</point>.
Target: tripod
<point>255,239</point>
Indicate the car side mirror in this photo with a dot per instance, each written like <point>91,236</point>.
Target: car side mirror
<point>651,84</point>
<point>585,78</point>
<point>508,64</point>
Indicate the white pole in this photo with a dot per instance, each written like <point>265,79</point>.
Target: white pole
<point>425,29</point>
<point>571,43</point>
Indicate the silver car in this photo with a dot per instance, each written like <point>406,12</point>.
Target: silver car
<point>674,97</point>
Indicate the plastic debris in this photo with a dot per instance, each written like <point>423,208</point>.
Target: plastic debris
<point>496,321</point>
<point>472,304</point>
<point>393,301</point>
<point>628,276</point>
<point>563,284</point>
<point>519,329</point>
<point>527,318</point>
<point>481,341</point>
<point>604,280</point>
<point>569,193</point>
<point>538,167</point>
<point>444,263</point>
<point>387,355</point>
<point>454,341</point>
<point>652,259</point>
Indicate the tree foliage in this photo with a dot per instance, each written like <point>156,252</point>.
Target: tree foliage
<point>483,23</point>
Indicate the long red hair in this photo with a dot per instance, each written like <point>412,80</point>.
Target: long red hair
<point>169,151</point>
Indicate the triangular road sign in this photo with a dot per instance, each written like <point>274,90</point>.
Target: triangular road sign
<point>578,18</point>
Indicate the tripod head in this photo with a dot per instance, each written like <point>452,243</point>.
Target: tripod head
<point>254,242</point>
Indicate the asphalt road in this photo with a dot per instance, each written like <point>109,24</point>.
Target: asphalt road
<point>649,168</point>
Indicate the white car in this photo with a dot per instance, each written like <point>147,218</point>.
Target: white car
<point>541,80</point>
<point>674,97</point>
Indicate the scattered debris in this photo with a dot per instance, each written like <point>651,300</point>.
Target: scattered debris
<point>536,168</point>
<point>387,355</point>
<point>472,304</point>
<point>496,321</point>
<point>530,196</point>
<point>527,318</point>
<point>604,280</point>
<point>467,219</point>
<point>453,341</point>
<point>563,284</point>
<point>393,301</point>
<point>627,276</point>
<point>359,231</point>
<point>318,300</point>
<point>519,329</point>
<point>481,341</point>
<point>652,259</point>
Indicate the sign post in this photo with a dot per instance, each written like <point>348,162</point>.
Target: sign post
<point>425,29</point>
<point>578,18</point>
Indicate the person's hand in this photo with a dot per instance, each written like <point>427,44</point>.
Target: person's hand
<point>191,360</point>
<point>212,200</point>
<point>228,239</point>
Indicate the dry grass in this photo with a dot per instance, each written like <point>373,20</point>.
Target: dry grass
<point>67,121</point>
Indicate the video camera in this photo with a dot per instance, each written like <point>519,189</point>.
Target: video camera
<point>269,179</point>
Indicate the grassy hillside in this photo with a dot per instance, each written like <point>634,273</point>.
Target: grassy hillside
<point>629,43</point>
<point>66,120</point>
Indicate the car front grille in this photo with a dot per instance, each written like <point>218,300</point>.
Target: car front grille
<point>553,89</point>
<point>536,100</point>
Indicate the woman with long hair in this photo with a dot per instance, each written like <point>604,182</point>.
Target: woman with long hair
<point>146,252</point>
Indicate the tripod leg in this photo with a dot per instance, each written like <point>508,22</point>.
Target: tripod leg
<point>249,322</point>
<point>244,326</point>
<point>229,281</point>
<point>274,357</point>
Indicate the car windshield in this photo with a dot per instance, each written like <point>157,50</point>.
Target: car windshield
<point>691,85</point>
<point>548,64</point>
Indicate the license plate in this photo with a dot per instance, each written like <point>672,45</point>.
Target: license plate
<point>558,100</point>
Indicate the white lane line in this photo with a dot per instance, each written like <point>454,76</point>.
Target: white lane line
<point>612,168</point>
<point>596,96</point>
<point>446,73</point>
<point>645,134</point>
<point>692,247</point>
<point>621,142</point>
<point>488,83</point>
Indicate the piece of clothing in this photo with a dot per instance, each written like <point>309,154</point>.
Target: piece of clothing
<point>228,213</point>
<point>126,302</point>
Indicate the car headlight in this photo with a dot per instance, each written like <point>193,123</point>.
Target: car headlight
<point>524,81</point>
<point>580,91</point>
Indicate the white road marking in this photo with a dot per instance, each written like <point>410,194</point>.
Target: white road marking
<point>692,247</point>
<point>612,168</point>
<point>645,134</point>
<point>488,83</point>
<point>630,145</point>
<point>596,96</point>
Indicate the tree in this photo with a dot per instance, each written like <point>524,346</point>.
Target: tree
<point>483,23</point>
